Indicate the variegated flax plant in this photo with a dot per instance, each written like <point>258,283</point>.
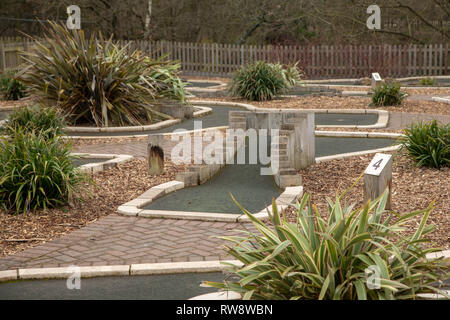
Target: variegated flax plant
<point>95,81</point>
<point>314,258</point>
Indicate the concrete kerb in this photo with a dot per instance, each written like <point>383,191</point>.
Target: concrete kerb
<point>349,134</point>
<point>441,99</point>
<point>156,126</point>
<point>382,122</point>
<point>157,269</point>
<point>111,161</point>
<point>201,112</point>
<point>196,175</point>
<point>358,134</point>
<point>208,92</point>
<point>355,154</point>
<point>134,207</point>
<point>327,82</point>
<point>118,270</point>
<point>383,117</point>
<point>220,84</point>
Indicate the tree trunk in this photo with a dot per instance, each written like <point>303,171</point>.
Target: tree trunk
<point>148,18</point>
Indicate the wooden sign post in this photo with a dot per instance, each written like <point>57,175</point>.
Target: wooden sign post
<point>376,80</point>
<point>155,154</point>
<point>378,177</point>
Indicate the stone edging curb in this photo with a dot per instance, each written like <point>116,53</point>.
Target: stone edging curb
<point>354,154</point>
<point>383,118</point>
<point>441,99</point>
<point>383,115</point>
<point>111,161</point>
<point>134,207</point>
<point>220,85</point>
<point>156,126</point>
<point>160,125</point>
<point>155,269</point>
<point>116,270</point>
<point>350,134</point>
<point>209,92</point>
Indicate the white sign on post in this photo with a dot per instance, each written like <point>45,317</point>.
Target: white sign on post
<point>378,177</point>
<point>377,164</point>
<point>376,76</point>
<point>376,80</point>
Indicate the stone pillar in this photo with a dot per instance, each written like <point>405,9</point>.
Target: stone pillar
<point>237,120</point>
<point>301,150</point>
<point>155,154</point>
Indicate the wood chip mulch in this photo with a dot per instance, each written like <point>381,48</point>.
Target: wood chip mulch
<point>16,103</point>
<point>410,91</point>
<point>325,102</point>
<point>111,188</point>
<point>413,189</point>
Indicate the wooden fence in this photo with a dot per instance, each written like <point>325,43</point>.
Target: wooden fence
<point>321,61</point>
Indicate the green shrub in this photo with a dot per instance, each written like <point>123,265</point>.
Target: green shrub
<point>291,74</point>
<point>95,81</point>
<point>263,81</point>
<point>314,258</point>
<point>36,172</point>
<point>428,143</point>
<point>165,75</point>
<point>428,81</point>
<point>388,94</point>
<point>11,88</point>
<point>36,118</point>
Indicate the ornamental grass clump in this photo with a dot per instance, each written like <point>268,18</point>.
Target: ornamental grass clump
<point>263,81</point>
<point>354,254</point>
<point>164,74</point>
<point>36,172</point>
<point>10,87</point>
<point>428,143</point>
<point>48,120</point>
<point>388,94</point>
<point>428,81</point>
<point>94,81</point>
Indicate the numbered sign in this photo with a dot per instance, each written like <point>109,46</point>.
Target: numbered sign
<point>376,76</point>
<point>378,177</point>
<point>378,163</point>
<point>376,80</point>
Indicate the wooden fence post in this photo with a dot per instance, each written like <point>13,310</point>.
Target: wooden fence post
<point>3,57</point>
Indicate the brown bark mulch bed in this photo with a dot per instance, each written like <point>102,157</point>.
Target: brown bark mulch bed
<point>111,188</point>
<point>16,103</point>
<point>410,91</point>
<point>413,189</point>
<point>325,102</point>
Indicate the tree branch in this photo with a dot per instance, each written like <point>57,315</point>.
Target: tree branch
<point>400,5</point>
<point>401,34</point>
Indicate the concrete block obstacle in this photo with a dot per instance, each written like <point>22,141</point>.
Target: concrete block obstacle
<point>293,149</point>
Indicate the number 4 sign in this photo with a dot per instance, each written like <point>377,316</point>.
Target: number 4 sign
<point>378,177</point>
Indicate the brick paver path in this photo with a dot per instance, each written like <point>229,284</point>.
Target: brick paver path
<point>117,240</point>
<point>123,240</point>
